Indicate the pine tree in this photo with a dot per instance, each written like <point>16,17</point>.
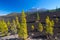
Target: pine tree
<point>38,18</point>
<point>49,26</point>
<point>40,27</point>
<point>8,23</point>
<point>57,20</point>
<point>17,21</point>
<point>23,28</point>
<point>13,27</point>
<point>51,30</point>
<point>32,27</point>
<point>47,20</point>
<point>17,24</point>
<point>52,23</point>
<point>3,28</point>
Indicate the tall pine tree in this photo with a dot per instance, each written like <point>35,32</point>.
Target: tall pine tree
<point>49,27</point>
<point>17,24</point>
<point>13,27</point>
<point>3,28</point>
<point>23,28</point>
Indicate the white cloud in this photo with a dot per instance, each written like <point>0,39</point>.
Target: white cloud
<point>38,8</point>
<point>2,13</point>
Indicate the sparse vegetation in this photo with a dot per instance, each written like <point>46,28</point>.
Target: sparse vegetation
<point>32,27</point>
<point>40,27</point>
<point>19,26</point>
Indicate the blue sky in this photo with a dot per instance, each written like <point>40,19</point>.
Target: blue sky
<point>8,6</point>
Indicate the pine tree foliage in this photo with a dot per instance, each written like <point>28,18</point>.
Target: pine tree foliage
<point>32,27</point>
<point>38,18</point>
<point>17,22</point>
<point>3,28</point>
<point>52,23</point>
<point>8,23</point>
<point>50,31</point>
<point>23,27</point>
<point>13,27</point>
<point>47,20</point>
<point>49,26</point>
<point>40,27</point>
<point>18,25</point>
<point>57,20</point>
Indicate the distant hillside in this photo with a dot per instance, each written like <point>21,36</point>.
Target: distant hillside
<point>31,16</point>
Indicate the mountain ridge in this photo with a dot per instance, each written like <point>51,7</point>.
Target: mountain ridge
<point>43,13</point>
